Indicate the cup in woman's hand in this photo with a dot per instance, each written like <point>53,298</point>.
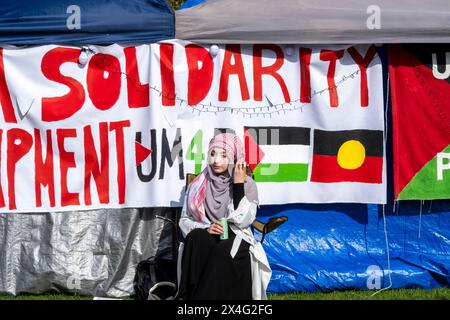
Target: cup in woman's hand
<point>224,235</point>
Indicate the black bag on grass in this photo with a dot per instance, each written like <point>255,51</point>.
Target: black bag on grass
<point>155,279</point>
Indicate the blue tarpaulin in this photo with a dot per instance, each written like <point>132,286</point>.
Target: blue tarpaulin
<point>341,247</point>
<point>27,22</point>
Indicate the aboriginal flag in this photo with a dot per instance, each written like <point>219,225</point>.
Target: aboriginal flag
<point>347,156</point>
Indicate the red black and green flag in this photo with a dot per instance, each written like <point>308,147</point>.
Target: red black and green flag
<point>278,154</point>
<point>420,90</point>
<point>347,156</point>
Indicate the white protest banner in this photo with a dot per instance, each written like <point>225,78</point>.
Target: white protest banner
<point>125,128</point>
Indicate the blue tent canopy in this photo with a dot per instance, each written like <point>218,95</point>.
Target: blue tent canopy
<point>27,22</point>
<point>190,3</point>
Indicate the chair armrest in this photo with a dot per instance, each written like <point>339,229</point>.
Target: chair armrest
<point>269,226</point>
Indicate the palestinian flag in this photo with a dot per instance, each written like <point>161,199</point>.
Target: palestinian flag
<point>347,156</point>
<point>277,154</point>
<point>420,90</point>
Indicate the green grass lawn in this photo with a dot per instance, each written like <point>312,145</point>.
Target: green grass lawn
<point>48,296</point>
<point>400,294</point>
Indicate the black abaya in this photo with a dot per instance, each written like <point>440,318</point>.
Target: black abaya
<point>210,273</point>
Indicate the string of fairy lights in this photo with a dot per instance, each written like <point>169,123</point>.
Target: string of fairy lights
<point>261,110</point>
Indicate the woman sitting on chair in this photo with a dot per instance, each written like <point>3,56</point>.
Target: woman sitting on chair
<point>211,268</point>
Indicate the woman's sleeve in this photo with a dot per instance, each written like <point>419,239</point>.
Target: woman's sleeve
<point>238,193</point>
<point>244,215</point>
<point>187,222</point>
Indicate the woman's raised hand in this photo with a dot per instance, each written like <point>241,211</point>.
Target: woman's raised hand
<point>240,171</point>
<point>216,228</point>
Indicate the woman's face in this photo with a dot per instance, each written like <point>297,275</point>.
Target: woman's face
<point>218,160</point>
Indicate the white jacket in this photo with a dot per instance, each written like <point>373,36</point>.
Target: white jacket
<point>239,221</point>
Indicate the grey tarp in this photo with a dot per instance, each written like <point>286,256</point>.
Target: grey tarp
<point>315,22</point>
<point>89,252</point>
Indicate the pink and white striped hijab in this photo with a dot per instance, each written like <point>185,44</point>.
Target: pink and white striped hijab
<point>211,192</point>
